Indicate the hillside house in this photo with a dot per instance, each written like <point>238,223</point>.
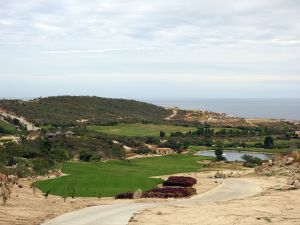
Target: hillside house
<point>297,132</point>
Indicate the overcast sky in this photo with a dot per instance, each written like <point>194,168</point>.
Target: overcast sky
<point>150,48</point>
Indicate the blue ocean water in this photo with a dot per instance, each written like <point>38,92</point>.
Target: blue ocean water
<point>248,108</point>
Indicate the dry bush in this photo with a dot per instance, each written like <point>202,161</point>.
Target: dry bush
<point>127,195</point>
<point>5,190</point>
<point>169,192</point>
<point>180,181</point>
<point>137,194</point>
<point>296,156</point>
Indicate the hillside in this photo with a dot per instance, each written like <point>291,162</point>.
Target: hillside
<point>68,110</point>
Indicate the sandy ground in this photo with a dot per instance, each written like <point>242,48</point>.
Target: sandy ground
<point>275,205</point>
<point>24,207</point>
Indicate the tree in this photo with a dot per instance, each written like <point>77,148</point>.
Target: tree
<point>219,152</point>
<point>251,161</point>
<point>85,155</point>
<point>269,142</point>
<point>162,134</point>
<point>46,147</point>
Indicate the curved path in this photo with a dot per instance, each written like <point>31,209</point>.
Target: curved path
<point>120,214</point>
<point>174,113</point>
<point>29,126</point>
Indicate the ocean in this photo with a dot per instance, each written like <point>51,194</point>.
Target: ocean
<point>249,108</point>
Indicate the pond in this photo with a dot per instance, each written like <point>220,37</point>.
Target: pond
<point>236,156</point>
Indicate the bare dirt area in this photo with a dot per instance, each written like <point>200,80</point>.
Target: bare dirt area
<point>273,206</point>
<point>26,208</point>
<point>278,203</point>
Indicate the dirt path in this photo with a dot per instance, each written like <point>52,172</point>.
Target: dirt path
<point>173,115</point>
<point>29,126</point>
<point>119,214</point>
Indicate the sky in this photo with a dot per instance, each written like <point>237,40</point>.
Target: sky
<point>150,48</point>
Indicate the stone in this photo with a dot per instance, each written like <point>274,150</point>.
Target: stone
<point>220,175</point>
<point>297,184</point>
<point>288,160</point>
<point>290,181</point>
<point>137,194</point>
<point>270,162</point>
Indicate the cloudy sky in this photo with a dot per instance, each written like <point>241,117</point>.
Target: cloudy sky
<point>150,48</point>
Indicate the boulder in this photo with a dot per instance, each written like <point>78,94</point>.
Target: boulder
<point>57,173</point>
<point>270,162</point>
<point>221,175</point>
<point>290,181</point>
<point>3,177</point>
<point>288,161</point>
<point>12,179</point>
<point>297,184</point>
<point>137,194</point>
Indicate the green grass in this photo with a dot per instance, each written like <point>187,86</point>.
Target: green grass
<point>194,148</point>
<point>46,127</point>
<point>7,126</point>
<point>114,177</point>
<point>139,129</point>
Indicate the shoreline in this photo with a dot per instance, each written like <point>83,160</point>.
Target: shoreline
<point>236,151</point>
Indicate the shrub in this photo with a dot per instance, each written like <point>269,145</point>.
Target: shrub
<point>127,195</point>
<point>251,161</point>
<point>5,190</point>
<point>296,155</point>
<point>219,154</point>
<point>143,151</point>
<point>85,156</point>
<point>180,181</point>
<point>269,142</point>
<point>169,192</point>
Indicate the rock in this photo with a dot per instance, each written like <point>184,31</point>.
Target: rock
<point>288,161</point>
<point>230,174</point>
<point>220,175</point>
<point>57,173</point>
<point>3,177</point>
<point>270,162</point>
<point>297,184</point>
<point>12,179</point>
<point>290,181</point>
<point>137,194</point>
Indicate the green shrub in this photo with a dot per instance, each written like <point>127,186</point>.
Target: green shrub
<point>251,161</point>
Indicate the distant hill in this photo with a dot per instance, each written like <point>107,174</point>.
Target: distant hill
<point>68,110</point>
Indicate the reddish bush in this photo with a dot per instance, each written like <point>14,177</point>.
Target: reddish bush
<point>180,181</point>
<point>127,195</point>
<point>169,193</point>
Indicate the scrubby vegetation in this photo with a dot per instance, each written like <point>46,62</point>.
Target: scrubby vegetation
<point>251,161</point>
<point>169,192</point>
<point>66,110</point>
<point>180,181</point>
<point>127,195</point>
<point>7,128</point>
